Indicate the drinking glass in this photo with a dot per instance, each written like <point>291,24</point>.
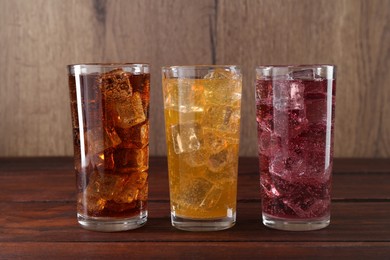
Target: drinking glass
<point>295,119</point>
<point>109,105</point>
<point>202,123</point>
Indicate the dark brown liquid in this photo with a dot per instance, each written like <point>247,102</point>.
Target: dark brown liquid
<point>111,129</point>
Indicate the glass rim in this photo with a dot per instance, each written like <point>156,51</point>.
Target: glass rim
<point>110,64</point>
<point>298,66</point>
<point>200,66</point>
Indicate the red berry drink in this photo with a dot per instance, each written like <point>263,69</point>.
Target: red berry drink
<point>295,118</point>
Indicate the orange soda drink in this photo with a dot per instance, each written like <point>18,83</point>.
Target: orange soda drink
<point>202,122</point>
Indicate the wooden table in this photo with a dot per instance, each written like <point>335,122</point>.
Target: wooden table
<point>37,218</point>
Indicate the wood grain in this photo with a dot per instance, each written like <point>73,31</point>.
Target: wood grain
<point>195,250</point>
<point>39,38</point>
<point>56,221</point>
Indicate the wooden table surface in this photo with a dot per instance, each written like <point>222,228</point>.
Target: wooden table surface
<point>38,218</point>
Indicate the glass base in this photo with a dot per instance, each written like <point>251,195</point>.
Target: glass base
<point>203,224</point>
<point>295,225</point>
<point>112,224</point>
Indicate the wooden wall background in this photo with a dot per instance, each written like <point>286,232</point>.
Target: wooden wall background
<point>39,38</point>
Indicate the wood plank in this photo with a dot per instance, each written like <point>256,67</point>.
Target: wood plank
<point>18,164</point>
<point>38,39</point>
<point>52,179</point>
<point>361,165</point>
<point>353,34</point>
<point>56,221</point>
<point>195,250</point>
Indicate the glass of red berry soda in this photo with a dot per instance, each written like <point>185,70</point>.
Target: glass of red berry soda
<point>295,110</point>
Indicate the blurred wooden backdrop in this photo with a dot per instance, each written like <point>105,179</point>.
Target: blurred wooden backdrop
<point>39,38</point>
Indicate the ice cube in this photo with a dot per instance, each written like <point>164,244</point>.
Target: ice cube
<point>197,158</point>
<point>129,112</point>
<point>103,161</point>
<point>305,74</point>
<point>104,186</point>
<point>115,86</point>
<point>212,198</point>
<point>195,192</point>
<point>214,140</point>
<point>183,95</point>
<point>134,137</point>
<point>131,188</point>
<point>98,139</point>
<point>308,208</point>
<point>288,167</point>
<point>288,95</point>
<point>223,118</point>
<point>138,179</point>
<point>218,161</point>
<point>268,142</point>
<point>186,137</point>
<point>128,159</point>
<point>95,205</point>
<point>128,194</point>
<point>289,123</point>
<point>268,188</point>
<point>223,87</point>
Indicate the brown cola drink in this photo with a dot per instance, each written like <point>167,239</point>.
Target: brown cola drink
<point>110,107</point>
